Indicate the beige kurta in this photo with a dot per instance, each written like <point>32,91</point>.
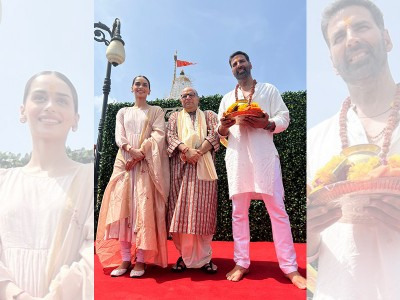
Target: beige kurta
<point>251,153</point>
<point>192,203</point>
<point>134,202</point>
<point>356,261</point>
<point>46,233</point>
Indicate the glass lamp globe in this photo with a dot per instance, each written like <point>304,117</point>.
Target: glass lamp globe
<point>115,52</point>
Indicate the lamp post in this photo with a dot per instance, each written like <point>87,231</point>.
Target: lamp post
<point>115,54</point>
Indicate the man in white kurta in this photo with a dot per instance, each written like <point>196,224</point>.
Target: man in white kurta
<point>365,255</point>
<point>253,168</point>
<point>357,258</point>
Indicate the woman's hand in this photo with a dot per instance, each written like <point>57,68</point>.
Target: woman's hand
<point>130,164</point>
<point>136,154</point>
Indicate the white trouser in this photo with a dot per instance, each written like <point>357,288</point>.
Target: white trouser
<point>126,252</point>
<point>195,249</point>
<point>281,231</point>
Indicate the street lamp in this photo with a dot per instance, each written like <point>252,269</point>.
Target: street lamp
<point>115,54</point>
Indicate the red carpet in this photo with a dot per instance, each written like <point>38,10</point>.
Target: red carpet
<point>265,280</point>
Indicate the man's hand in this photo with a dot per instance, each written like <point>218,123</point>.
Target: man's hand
<point>319,218</point>
<point>256,122</point>
<point>193,156</point>
<point>386,209</point>
<point>226,123</point>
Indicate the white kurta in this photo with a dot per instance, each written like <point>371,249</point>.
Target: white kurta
<point>251,153</point>
<point>356,261</point>
<point>34,211</point>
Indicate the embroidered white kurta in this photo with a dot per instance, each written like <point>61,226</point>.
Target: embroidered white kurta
<point>251,153</point>
<point>356,261</point>
<point>46,233</point>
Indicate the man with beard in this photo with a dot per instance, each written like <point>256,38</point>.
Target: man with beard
<point>357,257</point>
<point>253,168</point>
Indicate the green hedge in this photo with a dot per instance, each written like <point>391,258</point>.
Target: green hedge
<point>291,147</point>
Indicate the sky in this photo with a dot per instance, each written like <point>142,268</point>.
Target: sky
<point>325,90</point>
<point>41,35</point>
<point>205,32</point>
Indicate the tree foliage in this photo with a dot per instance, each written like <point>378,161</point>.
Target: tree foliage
<point>11,160</point>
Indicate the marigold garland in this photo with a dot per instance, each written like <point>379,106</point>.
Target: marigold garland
<point>325,175</point>
<point>394,161</point>
<point>360,170</point>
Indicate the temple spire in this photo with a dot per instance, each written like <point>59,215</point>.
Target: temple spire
<point>180,82</point>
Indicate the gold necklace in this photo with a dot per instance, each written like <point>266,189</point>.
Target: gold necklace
<point>371,117</point>
<point>375,138</point>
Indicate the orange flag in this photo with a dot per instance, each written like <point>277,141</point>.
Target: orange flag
<point>182,63</point>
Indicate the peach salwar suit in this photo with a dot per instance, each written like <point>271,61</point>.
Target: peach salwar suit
<point>141,192</point>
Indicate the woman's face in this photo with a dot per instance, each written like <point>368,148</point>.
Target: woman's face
<point>49,108</point>
<point>140,87</point>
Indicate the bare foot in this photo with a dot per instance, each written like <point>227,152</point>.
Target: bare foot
<point>139,266</point>
<point>237,273</point>
<point>298,280</point>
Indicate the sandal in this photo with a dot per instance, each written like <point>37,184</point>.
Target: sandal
<point>120,271</point>
<point>208,268</point>
<point>179,266</point>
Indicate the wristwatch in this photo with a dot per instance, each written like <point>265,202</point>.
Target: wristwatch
<point>270,126</point>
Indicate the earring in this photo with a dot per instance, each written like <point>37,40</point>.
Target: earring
<point>74,128</point>
<point>22,119</point>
